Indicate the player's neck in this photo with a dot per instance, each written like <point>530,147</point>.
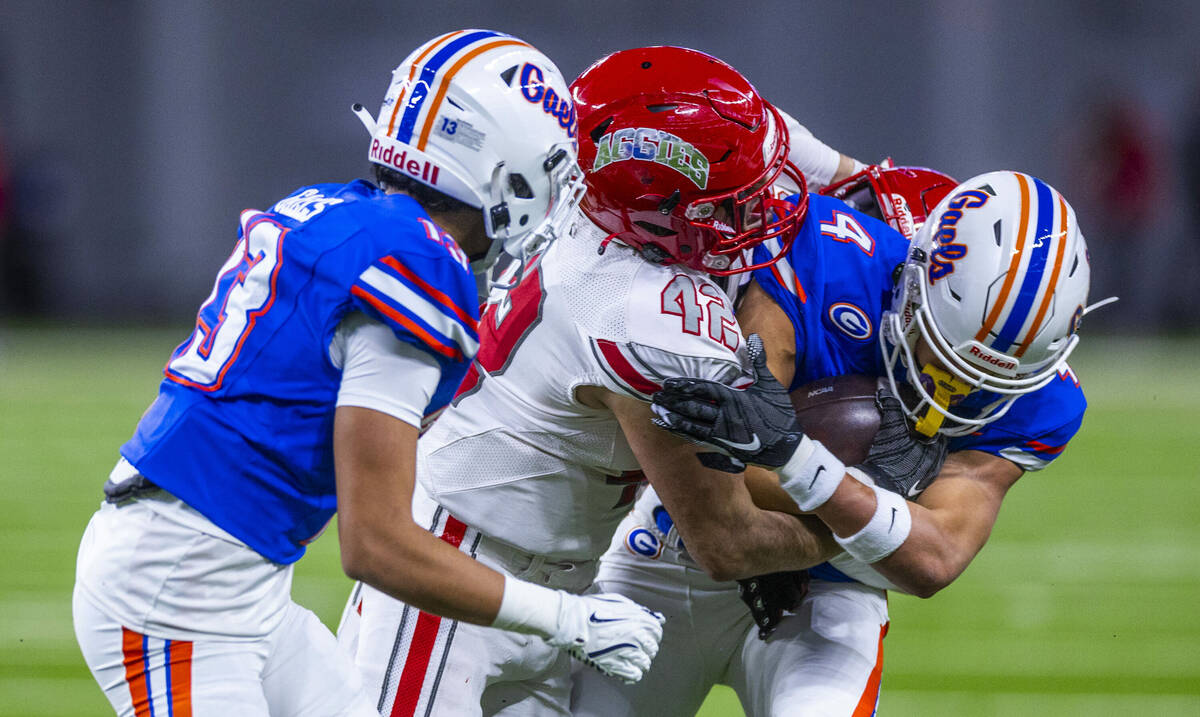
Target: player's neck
<point>465,225</point>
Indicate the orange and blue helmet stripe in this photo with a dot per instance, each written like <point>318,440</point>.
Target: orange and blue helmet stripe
<point>1035,256</point>
<point>436,72</point>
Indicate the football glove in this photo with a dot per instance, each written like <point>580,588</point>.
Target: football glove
<point>769,596</point>
<point>900,460</point>
<point>609,632</point>
<point>756,425</point>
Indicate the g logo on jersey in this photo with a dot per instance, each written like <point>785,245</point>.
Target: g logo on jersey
<point>852,320</point>
<point>642,542</point>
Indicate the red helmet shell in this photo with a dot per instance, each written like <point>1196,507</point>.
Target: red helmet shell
<point>679,152</point>
<point>901,196</point>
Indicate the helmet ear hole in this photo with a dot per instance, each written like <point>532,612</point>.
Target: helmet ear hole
<point>598,132</point>
<point>520,187</point>
<point>655,229</point>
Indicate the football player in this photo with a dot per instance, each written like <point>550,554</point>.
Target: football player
<point>343,321</point>
<point>983,315</point>
<point>709,635</point>
<point>549,438</point>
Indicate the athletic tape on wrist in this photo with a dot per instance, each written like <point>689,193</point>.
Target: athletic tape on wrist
<point>884,533</point>
<point>811,475</point>
<point>528,608</point>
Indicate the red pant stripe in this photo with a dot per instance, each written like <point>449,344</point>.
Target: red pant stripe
<point>420,650</point>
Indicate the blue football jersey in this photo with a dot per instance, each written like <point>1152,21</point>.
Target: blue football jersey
<point>242,428</point>
<point>834,284</point>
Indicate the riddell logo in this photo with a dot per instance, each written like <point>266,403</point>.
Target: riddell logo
<point>426,171</point>
<point>903,216</point>
<point>992,359</point>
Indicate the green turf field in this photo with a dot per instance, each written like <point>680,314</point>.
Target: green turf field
<point>1085,602</point>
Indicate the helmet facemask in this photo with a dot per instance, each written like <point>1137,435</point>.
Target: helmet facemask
<point>940,386</point>
<point>513,199</point>
<point>737,221</point>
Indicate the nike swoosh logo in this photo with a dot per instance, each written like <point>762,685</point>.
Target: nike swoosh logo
<point>893,523</point>
<point>815,475</point>
<point>593,618</point>
<point>748,447</point>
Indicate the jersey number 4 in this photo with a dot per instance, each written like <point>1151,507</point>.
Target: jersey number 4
<point>244,290</point>
<point>845,228</point>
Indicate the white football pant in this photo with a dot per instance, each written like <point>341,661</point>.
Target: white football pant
<point>826,659</point>
<point>415,663</point>
<point>174,621</point>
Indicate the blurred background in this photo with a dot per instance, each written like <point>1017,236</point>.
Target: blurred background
<point>133,133</point>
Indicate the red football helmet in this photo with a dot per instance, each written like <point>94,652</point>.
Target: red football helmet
<point>679,153</point>
<point>900,196</point>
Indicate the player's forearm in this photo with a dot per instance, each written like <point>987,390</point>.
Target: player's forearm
<point>416,567</point>
<point>938,546</point>
<point>375,462</point>
<point>760,541</point>
<point>929,560</point>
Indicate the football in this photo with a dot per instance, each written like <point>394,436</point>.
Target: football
<point>840,412</point>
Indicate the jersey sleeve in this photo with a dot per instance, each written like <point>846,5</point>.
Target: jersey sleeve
<point>639,371</point>
<point>426,302</point>
<point>371,357</point>
<point>817,161</point>
<point>1038,427</point>
<point>676,323</point>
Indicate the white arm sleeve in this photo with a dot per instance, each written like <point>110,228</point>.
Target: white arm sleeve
<point>381,372</point>
<point>815,159</point>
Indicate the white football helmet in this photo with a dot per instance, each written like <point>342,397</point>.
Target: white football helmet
<point>487,119</point>
<point>995,285</point>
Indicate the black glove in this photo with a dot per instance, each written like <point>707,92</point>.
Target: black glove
<point>768,596</point>
<point>900,460</point>
<point>756,425</point>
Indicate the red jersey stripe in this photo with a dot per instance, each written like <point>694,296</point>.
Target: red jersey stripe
<point>1044,448</point>
<point>429,289</point>
<point>429,339</point>
<point>624,370</point>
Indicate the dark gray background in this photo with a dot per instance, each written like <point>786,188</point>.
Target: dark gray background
<point>134,132</point>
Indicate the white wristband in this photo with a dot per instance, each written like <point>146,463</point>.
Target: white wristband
<point>529,608</point>
<point>811,475</point>
<point>884,533</point>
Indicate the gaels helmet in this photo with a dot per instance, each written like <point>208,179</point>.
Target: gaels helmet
<point>996,284</point>
<point>487,119</point>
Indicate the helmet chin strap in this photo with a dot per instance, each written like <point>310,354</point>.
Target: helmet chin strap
<point>483,264</point>
<point>365,117</point>
<point>1099,304</point>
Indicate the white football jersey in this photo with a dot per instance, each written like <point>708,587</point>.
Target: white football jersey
<point>517,456</point>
